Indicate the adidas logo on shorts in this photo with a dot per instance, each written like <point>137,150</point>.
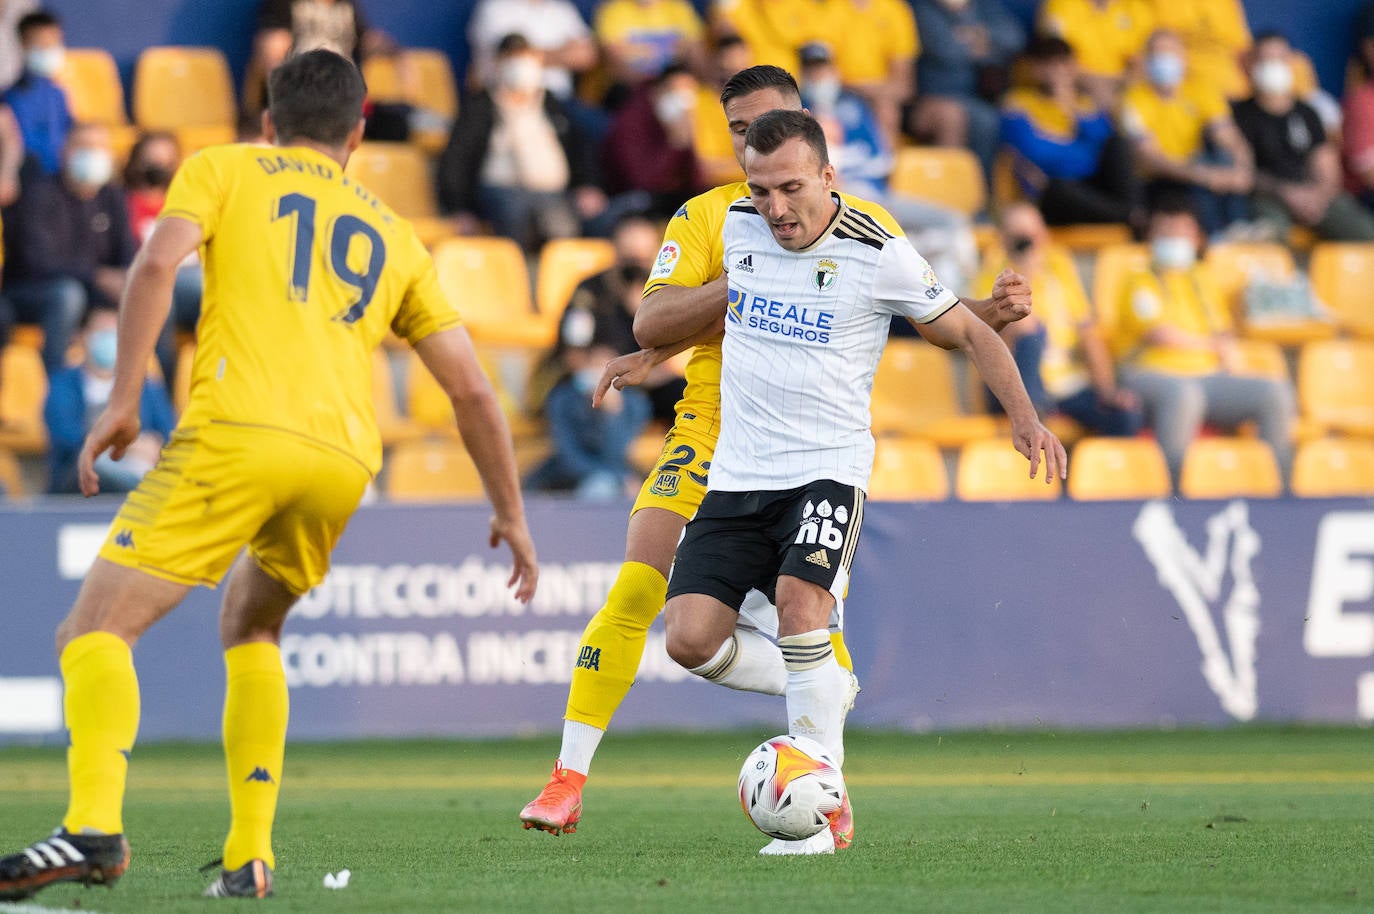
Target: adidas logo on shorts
<point>819,558</point>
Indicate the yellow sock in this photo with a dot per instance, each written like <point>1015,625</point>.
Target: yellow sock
<point>841,652</point>
<point>613,644</point>
<point>101,706</point>
<point>255,711</point>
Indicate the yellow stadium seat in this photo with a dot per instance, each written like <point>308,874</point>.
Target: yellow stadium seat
<point>908,469</point>
<point>950,176</point>
<point>23,391</point>
<point>1342,277</point>
<point>1230,468</point>
<point>1090,236</point>
<point>915,395</point>
<point>508,368</point>
<point>400,175</point>
<point>1334,468</point>
<point>95,94</point>
<point>1234,265</point>
<point>992,470</point>
<point>565,262</point>
<point>11,477</point>
<point>391,424</point>
<point>1118,469</point>
<point>487,281</point>
<point>422,78</point>
<point>1336,385</point>
<point>432,471</point>
<point>177,87</point>
<point>1262,359</point>
<point>1113,265</point>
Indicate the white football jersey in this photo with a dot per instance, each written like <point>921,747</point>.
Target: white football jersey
<point>803,334</point>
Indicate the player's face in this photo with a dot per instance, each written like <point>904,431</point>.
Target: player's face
<point>741,111</point>
<point>792,191</point>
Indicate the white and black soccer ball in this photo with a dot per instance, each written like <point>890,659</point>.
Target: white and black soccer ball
<point>788,787</point>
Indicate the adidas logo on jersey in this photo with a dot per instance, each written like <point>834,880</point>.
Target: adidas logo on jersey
<point>746,264</point>
<point>819,558</point>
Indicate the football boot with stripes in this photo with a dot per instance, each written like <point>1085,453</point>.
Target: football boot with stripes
<point>63,857</point>
<point>252,880</point>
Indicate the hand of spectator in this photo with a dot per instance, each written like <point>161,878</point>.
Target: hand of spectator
<point>1031,438</point>
<point>622,371</point>
<point>114,430</point>
<point>1011,298</point>
<point>9,190</point>
<point>589,201</point>
<point>1308,202</point>
<point>1118,398</point>
<point>1228,354</point>
<point>975,38</point>
<point>524,576</point>
<point>466,224</point>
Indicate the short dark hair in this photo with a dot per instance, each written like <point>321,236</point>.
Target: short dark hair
<point>94,311</point>
<point>316,96</point>
<point>1045,48</point>
<point>1174,203</point>
<point>514,43</point>
<point>769,131</point>
<point>1266,35</point>
<point>755,79</point>
<point>38,19</point>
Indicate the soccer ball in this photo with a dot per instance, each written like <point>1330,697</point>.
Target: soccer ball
<point>788,785</point>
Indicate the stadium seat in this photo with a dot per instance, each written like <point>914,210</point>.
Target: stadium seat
<point>95,94</point>
<point>487,281</point>
<point>180,87</point>
<point>1342,276</point>
<point>1234,265</point>
<point>1113,265</point>
<point>908,469</point>
<point>915,395</point>
<point>1262,359</point>
<point>400,175</point>
<point>950,176</point>
<point>11,477</point>
<point>1336,385</point>
<point>393,426</point>
<point>507,367</point>
<point>992,470</point>
<point>565,262</point>
<point>432,471</point>
<point>1118,469</point>
<point>23,391</point>
<point>1090,236</point>
<point>423,79</point>
<point>1230,468</point>
<point>1334,468</point>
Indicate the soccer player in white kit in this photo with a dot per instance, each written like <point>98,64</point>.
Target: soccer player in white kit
<point>813,284</point>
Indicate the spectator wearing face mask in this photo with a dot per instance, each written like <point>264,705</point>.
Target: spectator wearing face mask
<point>77,395</point>
<point>650,148</point>
<point>516,159</point>
<point>37,103</point>
<point>640,38</point>
<point>1177,347</point>
<point>68,243</point>
<point>1184,137</point>
<point>1298,175</point>
<point>153,161</point>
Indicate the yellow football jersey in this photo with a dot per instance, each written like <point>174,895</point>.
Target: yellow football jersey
<point>1183,299</point>
<point>1176,123</point>
<point>305,271</point>
<point>1104,37</point>
<point>693,254</point>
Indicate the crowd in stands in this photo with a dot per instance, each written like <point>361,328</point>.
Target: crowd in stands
<point>1158,170</point>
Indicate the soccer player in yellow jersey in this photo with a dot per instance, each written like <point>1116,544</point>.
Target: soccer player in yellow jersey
<point>684,305</point>
<point>305,272</point>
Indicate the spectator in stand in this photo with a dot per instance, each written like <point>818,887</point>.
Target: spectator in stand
<point>640,38</point>
<point>876,51</point>
<point>711,138</point>
<point>11,54</point>
<point>153,160</point>
<point>516,159</point>
<point>554,28</point>
<point>1107,36</point>
<point>650,148</point>
<point>296,26</point>
<point>77,395</point>
<point>69,243</point>
<point>1216,35</point>
<point>1358,138</point>
<point>1184,137</point>
<point>37,103</point>
<point>775,30</point>
<point>1298,168</point>
<point>1067,154</point>
<point>1062,355</point>
<point>966,54</point>
<point>1178,347</point>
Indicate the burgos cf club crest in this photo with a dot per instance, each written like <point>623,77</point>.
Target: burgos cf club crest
<point>826,271</point>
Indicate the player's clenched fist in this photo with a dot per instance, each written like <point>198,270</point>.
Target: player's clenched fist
<point>1011,298</point>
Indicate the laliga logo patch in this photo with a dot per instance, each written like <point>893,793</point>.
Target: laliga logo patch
<point>826,272</point>
<point>668,256</point>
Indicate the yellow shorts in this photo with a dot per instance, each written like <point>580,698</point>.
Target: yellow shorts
<point>220,487</point>
<point>677,482</point>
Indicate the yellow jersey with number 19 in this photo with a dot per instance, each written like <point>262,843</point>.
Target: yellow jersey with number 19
<point>305,271</point>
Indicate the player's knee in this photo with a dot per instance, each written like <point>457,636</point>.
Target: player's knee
<point>692,649</point>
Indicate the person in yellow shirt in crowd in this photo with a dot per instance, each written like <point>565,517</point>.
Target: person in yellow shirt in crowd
<point>1215,36</point>
<point>775,30</point>
<point>1177,347</point>
<point>876,51</point>
<point>1107,36</point>
<point>640,38</point>
<point>1060,350</point>
<point>1184,137</point>
<point>710,132</point>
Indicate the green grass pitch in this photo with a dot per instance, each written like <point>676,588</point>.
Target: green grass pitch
<point>1244,819</point>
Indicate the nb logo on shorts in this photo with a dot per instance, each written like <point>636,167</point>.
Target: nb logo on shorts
<point>819,558</point>
<point>818,529</point>
<point>124,539</point>
<point>589,659</point>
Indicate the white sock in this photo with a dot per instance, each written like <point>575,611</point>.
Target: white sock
<point>749,662</point>
<point>816,688</point>
<point>579,745</point>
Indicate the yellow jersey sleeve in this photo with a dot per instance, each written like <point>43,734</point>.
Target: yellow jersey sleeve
<point>197,194</point>
<point>693,249</point>
<point>425,309</point>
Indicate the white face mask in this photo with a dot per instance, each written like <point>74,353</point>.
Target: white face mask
<point>956,5</point>
<point>1273,77</point>
<point>1173,252</point>
<point>45,61</point>
<point>1165,70</point>
<point>824,93</point>
<point>522,73</point>
<point>671,106</point>
<point>91,166</point>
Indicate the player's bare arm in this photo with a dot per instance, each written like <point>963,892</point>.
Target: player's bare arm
<point>142,314</point>
<point>634,369</point>
<point>1010,301</point>
<point>449,356</point>
<point>958,328</point>
<point>670,314</point>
